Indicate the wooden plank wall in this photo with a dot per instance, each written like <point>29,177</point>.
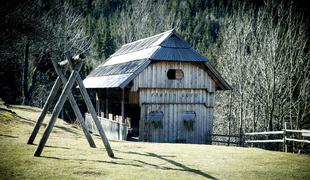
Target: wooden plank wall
<point>113,130</point>
<point>173,129</point>
<point>155,76</point>
<point>195,92</point>
<point>189,96</point>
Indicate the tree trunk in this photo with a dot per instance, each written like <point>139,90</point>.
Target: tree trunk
<point>25,75</point>
<point>229,118</point>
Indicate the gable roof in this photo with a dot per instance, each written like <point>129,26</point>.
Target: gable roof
<point>128,61</point>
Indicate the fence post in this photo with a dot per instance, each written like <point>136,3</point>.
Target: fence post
<point>241,138</point>
<point>284,138</point>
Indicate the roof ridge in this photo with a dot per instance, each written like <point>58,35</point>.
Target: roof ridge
<point>169,31</point>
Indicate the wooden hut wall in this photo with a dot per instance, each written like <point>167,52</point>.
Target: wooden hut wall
<point>155,76</point>
<point>173,128</point>
<point>193,93</point>
<point>185,96</point>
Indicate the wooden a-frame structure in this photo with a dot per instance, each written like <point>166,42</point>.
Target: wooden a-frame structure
<point>74,64</point>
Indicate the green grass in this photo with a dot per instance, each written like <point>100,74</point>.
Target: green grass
<point>68,156</point>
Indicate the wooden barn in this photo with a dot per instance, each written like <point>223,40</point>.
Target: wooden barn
<point>159,87</point>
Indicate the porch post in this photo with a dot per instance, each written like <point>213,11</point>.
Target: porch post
<point>123,105</point>
<point>98,103</point>
<point>107,104</point>
<point>122,120</point>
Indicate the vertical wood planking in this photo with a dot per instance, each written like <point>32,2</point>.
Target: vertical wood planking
<point>160,93</point>
<point>155,76</point>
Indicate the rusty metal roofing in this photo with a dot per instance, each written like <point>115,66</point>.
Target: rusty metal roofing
<point>128,61</point>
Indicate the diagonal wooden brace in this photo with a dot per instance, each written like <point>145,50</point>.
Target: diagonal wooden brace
<point>92,110</point>
<point>64,94</point>
<point>74,106</point>
<point>47,104</point>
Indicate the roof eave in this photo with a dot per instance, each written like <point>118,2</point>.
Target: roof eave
<point>221,83</point>
<point>135,74</point>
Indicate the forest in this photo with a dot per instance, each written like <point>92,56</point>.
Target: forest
<point>260,47</point>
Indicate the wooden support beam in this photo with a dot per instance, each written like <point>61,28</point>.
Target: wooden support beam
<point>107,103</point>
<point>122,120</point>
<point>75,59</point>
<point>123,106</point>
<point>92,111</point>
<point>57,109</point>
<point>46,106</point>
<point>98,103</point>
<point>75,108</point>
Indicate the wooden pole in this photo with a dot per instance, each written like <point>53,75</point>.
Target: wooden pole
<point>123,105</point>
<point>122,113</point>
<point>284,137</point>
<point>92,111</point>
<point>44,110</point>
<point>97,103</point>
<point>75,108</point>
<point>57,109</point>
<point>107,103</point>
<point>229,121</point>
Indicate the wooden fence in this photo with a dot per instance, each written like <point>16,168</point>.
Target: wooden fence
<point>237,139</point>
<point>285,137</point>
<point>114,130</point>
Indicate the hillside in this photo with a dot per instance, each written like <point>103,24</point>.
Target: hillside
<point>68,155</point>
<point>261,48</point>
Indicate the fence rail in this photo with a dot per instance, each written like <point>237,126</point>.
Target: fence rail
<point>265,141</point>
<point>226,142</point>
<point>229,136</point>
<point>264,133</point>
<point>241,139</point>
<point>284,133</point>
<point>226,135</point>
<point>298,140</point>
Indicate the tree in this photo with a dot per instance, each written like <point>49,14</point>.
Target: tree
<point>265,60</point>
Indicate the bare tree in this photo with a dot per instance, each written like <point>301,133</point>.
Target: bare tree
<point>265,57</point>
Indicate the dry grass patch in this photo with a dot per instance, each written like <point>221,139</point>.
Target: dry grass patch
<point>69,156</point>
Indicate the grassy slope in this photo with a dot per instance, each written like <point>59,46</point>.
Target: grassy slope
<point>69,156</point>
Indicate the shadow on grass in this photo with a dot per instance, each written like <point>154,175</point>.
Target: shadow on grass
<point>57,147</point>
<point>8,136</point>
<point>177,164</point>
<point>180,167</point>
<point>32,123</point>
<point>89,160</point>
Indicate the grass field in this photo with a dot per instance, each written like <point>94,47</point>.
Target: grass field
<point>68,156</point>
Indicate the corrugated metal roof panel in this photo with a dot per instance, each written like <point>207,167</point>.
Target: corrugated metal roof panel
<point>142,54</point>
<point>110,81</point>
<point>118,75</point>
<point>176,54</point>
<point>142,44</point>
<point>122,68</point>
<point>175,42</point>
